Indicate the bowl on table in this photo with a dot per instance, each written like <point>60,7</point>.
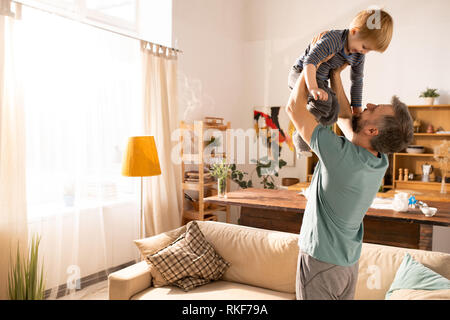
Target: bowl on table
<point>415,149</point>
<point>428,211</point>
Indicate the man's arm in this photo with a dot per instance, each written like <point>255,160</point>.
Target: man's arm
<point>345,113</point>
<point>304,122</point>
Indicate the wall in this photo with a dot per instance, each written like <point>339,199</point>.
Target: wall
<point>211,68</point>
<point>155,15</point>
<point>237,55</point>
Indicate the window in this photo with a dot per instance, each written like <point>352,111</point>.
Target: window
<point>149,20</point>
<point>82,96</point>
<point>118,14</point>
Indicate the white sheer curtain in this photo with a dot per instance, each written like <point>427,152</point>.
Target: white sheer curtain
<point>13,214</point>
<point>163,197</point>
<point>83,97</point>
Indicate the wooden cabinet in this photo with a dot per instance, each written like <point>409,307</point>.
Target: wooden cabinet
<point>194,159</point>
<point>438,116</point>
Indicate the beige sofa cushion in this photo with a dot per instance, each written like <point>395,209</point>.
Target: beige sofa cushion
<point>258,257</point>
<point>378,265</point>
<point>190,261</point>
<point>217,290</point>
<point>409,294</point>
<point>153,244</point>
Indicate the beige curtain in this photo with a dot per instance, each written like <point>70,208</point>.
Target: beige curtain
<point>13,216</point>
<point>163,196</point>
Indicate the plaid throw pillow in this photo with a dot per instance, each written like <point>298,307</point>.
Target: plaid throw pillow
<point>189,261</point>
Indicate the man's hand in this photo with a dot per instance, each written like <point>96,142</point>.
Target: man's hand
<point>318,37</point>
<point>318,93</point>
<point>337,71</point>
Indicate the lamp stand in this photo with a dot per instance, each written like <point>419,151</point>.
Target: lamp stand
<point>141,222</point>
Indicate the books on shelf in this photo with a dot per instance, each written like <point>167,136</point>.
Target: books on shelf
<point>194,176</point>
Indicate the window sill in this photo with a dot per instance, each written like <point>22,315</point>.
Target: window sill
<point>48,211</point>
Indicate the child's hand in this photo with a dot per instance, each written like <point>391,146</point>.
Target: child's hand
<point>338,70</point>
<point>318,93</point>
<point>356,110</point>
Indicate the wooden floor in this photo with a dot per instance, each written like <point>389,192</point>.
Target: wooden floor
<point>98,291</point>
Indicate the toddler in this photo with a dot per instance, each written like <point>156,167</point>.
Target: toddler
<point>370,30</point>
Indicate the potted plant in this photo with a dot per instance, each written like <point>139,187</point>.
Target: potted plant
<point>264,164</point>
<point>429,95</point>
<point>221,171</point>
<point>25,282</point>
<point>268,181</point>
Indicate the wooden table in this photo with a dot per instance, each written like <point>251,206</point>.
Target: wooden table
<point>423,195</point>
<point>283,210</point>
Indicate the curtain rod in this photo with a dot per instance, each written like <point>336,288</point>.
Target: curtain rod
<point>92,24</point>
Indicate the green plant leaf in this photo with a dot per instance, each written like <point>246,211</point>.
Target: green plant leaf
<point>282,163</point>
<point>24,280</point>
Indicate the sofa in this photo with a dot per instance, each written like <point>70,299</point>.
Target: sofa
<point>263,267</point>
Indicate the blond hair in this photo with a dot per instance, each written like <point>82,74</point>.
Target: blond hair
<point>375,25</point>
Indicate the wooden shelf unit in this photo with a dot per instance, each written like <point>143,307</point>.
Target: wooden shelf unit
<point>437,116</point>
<point>197,132</point>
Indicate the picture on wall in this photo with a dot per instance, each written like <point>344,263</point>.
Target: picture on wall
<point>266,119</point>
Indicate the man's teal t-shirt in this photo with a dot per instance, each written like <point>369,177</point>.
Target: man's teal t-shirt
<point>344,184</point>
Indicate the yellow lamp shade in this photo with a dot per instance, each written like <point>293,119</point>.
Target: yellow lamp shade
<point>141,158</point>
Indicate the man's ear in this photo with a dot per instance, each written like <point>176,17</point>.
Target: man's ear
<point>371,131</point>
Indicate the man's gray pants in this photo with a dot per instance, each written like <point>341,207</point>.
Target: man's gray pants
<point>317,280</point>
<point>325,112</point>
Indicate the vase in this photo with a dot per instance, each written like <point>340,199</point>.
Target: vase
<point>429,101</point>
<point>222,187</point>
<point>400,202</point>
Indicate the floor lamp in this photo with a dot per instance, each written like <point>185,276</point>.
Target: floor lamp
<point>141,160</point>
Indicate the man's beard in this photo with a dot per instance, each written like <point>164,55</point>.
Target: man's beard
<point>357,123</point>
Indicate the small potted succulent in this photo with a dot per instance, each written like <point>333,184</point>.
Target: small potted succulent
<point>429,95</point>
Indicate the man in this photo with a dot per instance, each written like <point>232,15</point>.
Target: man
<point>345,182</point>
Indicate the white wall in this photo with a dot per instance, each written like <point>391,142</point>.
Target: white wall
<point>237,55</point>
<point>155,21</point>
<point>211,68</point>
